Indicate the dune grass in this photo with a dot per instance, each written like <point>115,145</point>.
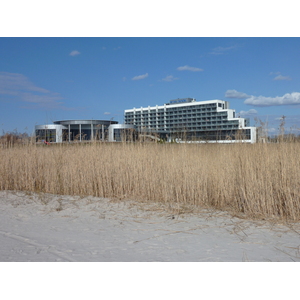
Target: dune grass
<point>258,180</point>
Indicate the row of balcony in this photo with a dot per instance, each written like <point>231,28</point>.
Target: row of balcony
<point>188,129</point>
<point>185,125</point>
<point>176,115</point>
<point>206,119</point>
<point>172,112</point>
<point>183,121</point>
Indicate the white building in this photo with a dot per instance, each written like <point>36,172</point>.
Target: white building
<point>188,120</point>
<point>73,130</point>
<point>84,130</point>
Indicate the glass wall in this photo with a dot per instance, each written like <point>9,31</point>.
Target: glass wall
<point>122,135</point>
<point>48,135</point>
<point>86,133</point>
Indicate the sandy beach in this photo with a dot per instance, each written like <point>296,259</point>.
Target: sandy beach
<point>50,228</point>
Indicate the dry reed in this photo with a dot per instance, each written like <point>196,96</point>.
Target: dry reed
<point>259,180</point>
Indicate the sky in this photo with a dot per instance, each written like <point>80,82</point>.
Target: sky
<point>44,79</point>
<point>63,60</point>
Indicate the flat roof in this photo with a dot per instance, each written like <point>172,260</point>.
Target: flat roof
<point>77,122</point>
<point>167,105</point>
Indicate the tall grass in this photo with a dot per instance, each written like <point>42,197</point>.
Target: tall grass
<point>259,180</point>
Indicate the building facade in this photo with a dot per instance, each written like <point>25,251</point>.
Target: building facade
<point>121,133</point>
<point>73,130</point>
<point>188,120</point>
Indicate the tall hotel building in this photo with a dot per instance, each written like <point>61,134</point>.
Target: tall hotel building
<point>188,120</point>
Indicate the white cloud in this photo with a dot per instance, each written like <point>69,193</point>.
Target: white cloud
<point>280,77</point>
<point>21,88</point>
<point>170,78</point>
<point>222,50</point>
<point>42,99</point>
<point>139,77</point>
<point>235,94</point>
<point>250,112</point>
<point>107,113</point>
<point>12,83</point>
<point>274,73</point>
<point>287,99</point>
<point>188,68</point>
<point>74,53</point>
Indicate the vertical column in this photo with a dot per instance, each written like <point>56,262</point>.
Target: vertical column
<point>156,118</point>
<point>149,120</point>
<point>165,117</point>
<point>102,127</point>
<point>111,133</point>
<point>80,132</point>
<point>92,131</point>
<point>69,132</point>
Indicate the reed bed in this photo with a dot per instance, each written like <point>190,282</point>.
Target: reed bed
<point>259,180</point>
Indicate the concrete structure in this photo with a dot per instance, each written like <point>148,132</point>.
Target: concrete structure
<point>186,120</point>
<point>121,132</point>
<point>73,130</point>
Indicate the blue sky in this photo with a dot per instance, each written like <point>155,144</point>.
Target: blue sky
<point>48,79</point>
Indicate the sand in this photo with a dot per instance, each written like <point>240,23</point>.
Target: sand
<point>53,228</point>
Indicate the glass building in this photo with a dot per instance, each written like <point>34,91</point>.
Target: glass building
<point>73,130</point>
<point>188,120</point>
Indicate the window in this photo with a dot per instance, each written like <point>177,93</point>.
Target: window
<point>48,135</point>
